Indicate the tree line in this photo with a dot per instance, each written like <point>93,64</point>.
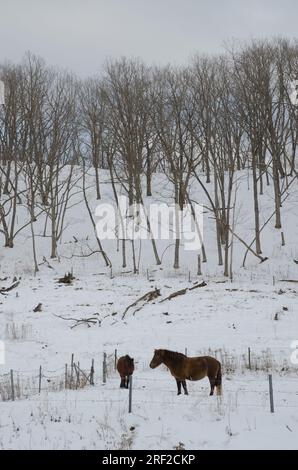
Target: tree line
<point>203,123</point>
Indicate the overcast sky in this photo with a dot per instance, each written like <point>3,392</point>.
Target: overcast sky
<point>81,34</point>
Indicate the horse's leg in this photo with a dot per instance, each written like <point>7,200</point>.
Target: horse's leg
<point>212,384</point>
<point>127,381</point>
<point>218,381</point>
<point>184,387</point>
<point>122,384</point>
<point>178,386</point>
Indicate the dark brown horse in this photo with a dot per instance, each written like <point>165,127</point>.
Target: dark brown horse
<point>189,368</point>
<point>125,367</point>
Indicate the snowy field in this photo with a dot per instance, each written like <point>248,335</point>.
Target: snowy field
<point>258,310</point>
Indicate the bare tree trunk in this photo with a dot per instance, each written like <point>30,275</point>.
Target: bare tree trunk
<point>102,252</point>
<point>32,218</point>
<point>203,250</point>
<point>277,200</point>
<point>148,171</point>
<point>53,232</point>
<point>98,196</point>
<point>7,178</point>
<point>256,204</point>
<point>124,264</point>
<point>135,270</point>
<point>217,222</point>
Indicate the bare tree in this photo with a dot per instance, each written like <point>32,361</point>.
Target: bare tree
<point>93,122</point>
<point>126,89</point>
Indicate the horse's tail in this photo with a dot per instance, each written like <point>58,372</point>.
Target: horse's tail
<point>218,381</point>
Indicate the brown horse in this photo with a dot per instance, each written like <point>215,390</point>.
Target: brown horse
<point>125,367</point>
<point>189,368</point>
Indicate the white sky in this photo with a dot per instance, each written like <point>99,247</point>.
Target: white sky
<point>81,34</point>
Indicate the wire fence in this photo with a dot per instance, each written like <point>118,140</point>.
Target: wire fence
<point>30,383</point>
<point>23,384</point>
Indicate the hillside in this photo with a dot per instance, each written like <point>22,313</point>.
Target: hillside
<point>257,309</point>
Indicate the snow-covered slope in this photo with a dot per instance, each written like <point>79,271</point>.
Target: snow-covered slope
<point>258,310</point>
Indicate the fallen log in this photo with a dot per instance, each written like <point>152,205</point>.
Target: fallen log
<point>202,284</point>
<point>3,290</point>
<point>66,279</point>
<point>38,307</point>
<point>182,291</point>
<point>148,297</point>
<point>174,294</point>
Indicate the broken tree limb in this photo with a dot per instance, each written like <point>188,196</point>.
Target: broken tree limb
<point>174,294</point>
<point>66,279</point>
<point>267,221</point>
<point>182,291</point>
<point>148,297</point>
<point>261,258</point>
<point>3,290</point>
<point>80,321</point>
<point>88,321</point>
<point>215,210</point>
<point>202,284</point>
<point>45,261</point>
<point>38,308</point>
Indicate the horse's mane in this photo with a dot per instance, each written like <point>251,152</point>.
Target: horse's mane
<point>174,354</point>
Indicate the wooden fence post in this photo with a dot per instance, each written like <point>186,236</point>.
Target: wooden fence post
<point>199,273</point>
<point>104,368</point>
<point>71,371</point>
<point>283,239</point>
<point>65,384</point>
<point>271,394</point>
<point>39,381</point>
<point>78,375</point>
<point>115,365</point>
<point>130,395</point>
<point>12,385</point>
<point>92,373</point>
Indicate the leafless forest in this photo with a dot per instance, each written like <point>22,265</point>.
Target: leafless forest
<point>205,122</point>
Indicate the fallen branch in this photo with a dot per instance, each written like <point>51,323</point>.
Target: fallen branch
<point>267,221</point>
<point>3,290</point>
<point>202,284</point>
<point>80,321</point>
<point>87,321</point>
<point>288,280</point>
<point>174,294</point>
<point>148,297</point>
<point>45,261</point>
<point>215,210</point>
<point>38,307</point>
<point>182,291</point>
<point>66,279</point>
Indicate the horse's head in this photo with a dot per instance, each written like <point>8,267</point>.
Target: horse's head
<point>129,359</point>
<point>157,358</point>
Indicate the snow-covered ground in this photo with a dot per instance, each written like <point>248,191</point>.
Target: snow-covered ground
<point>258,310</point>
